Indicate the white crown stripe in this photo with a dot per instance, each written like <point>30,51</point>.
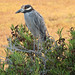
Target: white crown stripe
<point>28,8</point>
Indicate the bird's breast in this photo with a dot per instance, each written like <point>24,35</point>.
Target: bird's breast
<point>30,24</point>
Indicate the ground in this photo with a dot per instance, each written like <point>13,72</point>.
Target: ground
<point>56,13</point>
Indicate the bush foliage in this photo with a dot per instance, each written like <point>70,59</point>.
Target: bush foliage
<point>56,57</point>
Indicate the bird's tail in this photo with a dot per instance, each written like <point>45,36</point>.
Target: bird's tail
<point>43,37</point>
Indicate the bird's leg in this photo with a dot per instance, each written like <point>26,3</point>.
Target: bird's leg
<point>38,41</point>
<point>41,45</point>
<point>34,45</point>
<point>38,44</point>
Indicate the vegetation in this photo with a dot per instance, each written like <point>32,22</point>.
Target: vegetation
<point>56,57</point>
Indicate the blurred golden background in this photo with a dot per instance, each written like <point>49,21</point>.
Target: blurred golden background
<point>56,13</point>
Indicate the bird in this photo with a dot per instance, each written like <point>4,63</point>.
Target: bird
<point>35,23</point>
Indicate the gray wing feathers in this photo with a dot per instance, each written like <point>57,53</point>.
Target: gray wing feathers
<point>39,22</point>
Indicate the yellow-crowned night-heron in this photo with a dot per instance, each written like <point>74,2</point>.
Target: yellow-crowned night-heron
<point>34,22</point>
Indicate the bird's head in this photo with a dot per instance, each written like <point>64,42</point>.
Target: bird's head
<point>25,8</point>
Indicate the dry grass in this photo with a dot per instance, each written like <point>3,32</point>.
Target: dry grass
<point>56,13</point>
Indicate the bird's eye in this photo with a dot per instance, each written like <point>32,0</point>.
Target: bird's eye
<point>25,7</point>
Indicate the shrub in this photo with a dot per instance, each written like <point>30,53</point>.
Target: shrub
<point>56,58</point>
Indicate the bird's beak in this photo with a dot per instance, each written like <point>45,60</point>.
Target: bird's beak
<point>19,11</point>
